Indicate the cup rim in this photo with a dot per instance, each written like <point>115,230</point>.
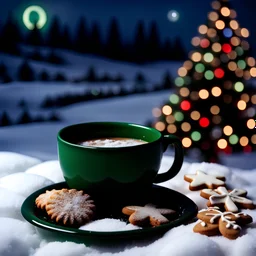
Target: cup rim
<point>59,137</point>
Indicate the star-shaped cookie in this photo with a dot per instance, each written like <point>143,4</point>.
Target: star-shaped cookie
<point>148,214</point>
<point>231,200</point>
<point>202,180</point>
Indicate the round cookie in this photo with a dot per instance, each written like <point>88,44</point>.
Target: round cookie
<point>42,199</point>
<point>70,207</point>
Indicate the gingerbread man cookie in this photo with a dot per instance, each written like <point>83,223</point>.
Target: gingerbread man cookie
<point>231,200</point>
<point>148,214</point>
<point>213,222</point>
<point>202,180</point>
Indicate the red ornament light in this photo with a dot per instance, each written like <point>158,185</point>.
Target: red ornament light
<point>185,105</point>
<point>204,122</point>
<point>219,73</point>
<point>228,150</point>
<point>204,43</point>
<point>247,149</point>
<point>226,48</point>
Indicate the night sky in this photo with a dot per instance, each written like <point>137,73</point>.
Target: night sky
<point>192,14</point>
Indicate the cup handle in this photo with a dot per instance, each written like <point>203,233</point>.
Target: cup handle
<point>178,158</point>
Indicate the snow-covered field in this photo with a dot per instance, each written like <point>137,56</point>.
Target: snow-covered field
<point>78,64</point>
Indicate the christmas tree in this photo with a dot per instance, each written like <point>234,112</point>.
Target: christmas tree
<point>212,109</point>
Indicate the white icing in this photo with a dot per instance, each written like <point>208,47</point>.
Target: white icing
<point>150,210</point>
<point>227,198</point>
<point>203,224</point>
<point>201,178</point>
<point>223,215</point>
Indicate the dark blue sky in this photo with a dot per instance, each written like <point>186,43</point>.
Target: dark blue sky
<point>192,14</point>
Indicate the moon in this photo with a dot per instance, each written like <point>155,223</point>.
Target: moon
<point>173,16</point>
<point>41,14</point>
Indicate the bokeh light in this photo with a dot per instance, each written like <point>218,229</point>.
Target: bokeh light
<point>167,110</point>
<point>40,22</point>
<point>186,142</point>
<point>173,15</point>
<point>222,143</point>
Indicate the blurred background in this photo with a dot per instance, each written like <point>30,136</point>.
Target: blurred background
<point>156,63</point>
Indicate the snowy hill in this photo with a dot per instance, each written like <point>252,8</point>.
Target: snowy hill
<point>76,64</point>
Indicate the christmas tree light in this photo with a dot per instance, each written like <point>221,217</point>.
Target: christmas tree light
<point>213,107</point>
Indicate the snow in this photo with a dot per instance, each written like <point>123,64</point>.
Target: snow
<point>21,164</point>
<point>77,65</point>
<point>24,183</point>
<point>108,225</point>
<point>49,169</point>
<point>180,241</point>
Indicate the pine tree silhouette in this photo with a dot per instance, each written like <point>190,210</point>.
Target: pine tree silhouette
<point>167,52</point>
<point>91,75</point>
<point>178,52</point>
<point>153,42</point>
<point>106,78</point>
<point>95,45</point>
<point>140,82</point>
<point>48,102</point>
<point>118,78</point>
<point>60,77</point>
<point>54,34</point>
<point>139,45</point>
<point>34,36</point>
<point>66,41</point>
<point>43,76</point>
<point>54,58</point>
<point>25,72</point>
<point>10,37</point>
<point>213,107</point>
<point>36,55</point>
<point>167,82</point>
<point>24,118</point>
<point>81,43</point>
<point>4,76</point>
<point>39,119</point>
<point>22,103</point>
<point>54,117</point>
<point>113,47</point>
<point>3,69</point>
<point>5,119</point>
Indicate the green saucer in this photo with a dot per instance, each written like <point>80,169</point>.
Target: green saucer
<point>160,196</point>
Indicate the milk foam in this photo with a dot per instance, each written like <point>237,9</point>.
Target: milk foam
<point>113,143</point>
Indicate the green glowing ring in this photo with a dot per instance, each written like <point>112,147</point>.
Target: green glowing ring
<point>41,13</point>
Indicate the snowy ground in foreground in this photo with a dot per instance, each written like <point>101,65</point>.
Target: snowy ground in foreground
<point>21,175</point>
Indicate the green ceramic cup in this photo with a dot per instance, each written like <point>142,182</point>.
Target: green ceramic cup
<point>115,171</point>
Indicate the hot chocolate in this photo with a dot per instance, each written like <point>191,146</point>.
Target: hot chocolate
<point>112,142</point>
